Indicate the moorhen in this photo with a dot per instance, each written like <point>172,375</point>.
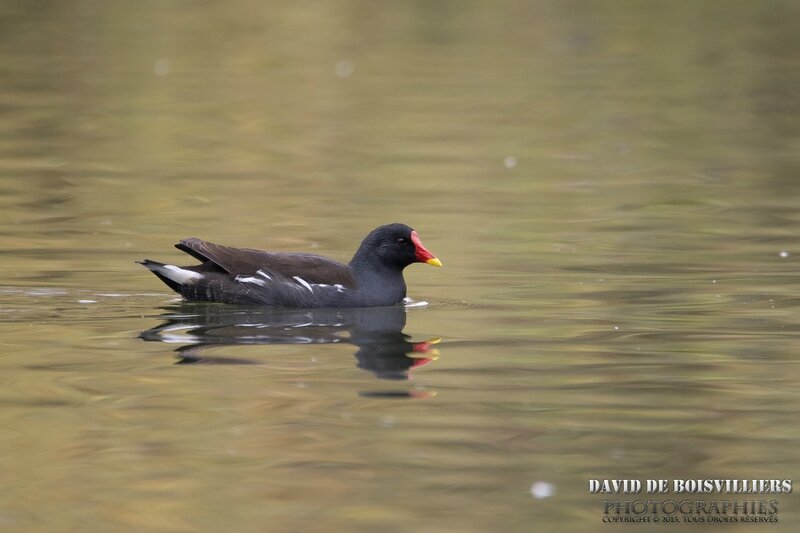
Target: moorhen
<point>374,277</point>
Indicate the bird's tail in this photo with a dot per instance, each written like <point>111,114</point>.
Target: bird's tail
<point>175,277</point>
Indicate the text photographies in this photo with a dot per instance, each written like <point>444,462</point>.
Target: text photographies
<point>688,508</point>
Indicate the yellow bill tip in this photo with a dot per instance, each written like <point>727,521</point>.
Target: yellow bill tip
<point>430,353</point>
<point>434,261</point>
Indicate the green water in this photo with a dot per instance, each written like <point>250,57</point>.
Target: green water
<point>612,188</point>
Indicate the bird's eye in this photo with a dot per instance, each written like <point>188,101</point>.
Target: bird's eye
<point>401,239</point>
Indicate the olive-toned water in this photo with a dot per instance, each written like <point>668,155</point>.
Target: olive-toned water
<point>613,188</point>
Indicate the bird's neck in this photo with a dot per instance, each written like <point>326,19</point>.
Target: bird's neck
<point>379,284</point>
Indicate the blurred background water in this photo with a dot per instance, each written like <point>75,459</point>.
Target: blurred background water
<point>611,186</point>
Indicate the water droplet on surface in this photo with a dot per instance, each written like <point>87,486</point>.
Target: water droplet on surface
<point>510,161</point>
<point>162,67</point>
<point>542,489</point>
<point>783,254</point>
<point>344,68</point>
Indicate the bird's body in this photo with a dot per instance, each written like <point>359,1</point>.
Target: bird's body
<point>374,277</point>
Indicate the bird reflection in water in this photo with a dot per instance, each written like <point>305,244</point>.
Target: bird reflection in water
<point>377,333</point>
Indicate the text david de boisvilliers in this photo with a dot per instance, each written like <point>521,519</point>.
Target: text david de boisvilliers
<point>745,489</point>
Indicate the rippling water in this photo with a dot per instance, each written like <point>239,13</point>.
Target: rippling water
<point>612,188</point>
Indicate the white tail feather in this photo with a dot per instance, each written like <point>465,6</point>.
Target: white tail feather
<point>180,275</point>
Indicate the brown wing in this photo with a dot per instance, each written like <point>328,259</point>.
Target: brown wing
<point>245,261</point>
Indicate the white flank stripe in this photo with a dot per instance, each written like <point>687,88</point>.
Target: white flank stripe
<point>257,281</point>
<point>304,283</point>
<point>262,273</point>
<point>181,275</point>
